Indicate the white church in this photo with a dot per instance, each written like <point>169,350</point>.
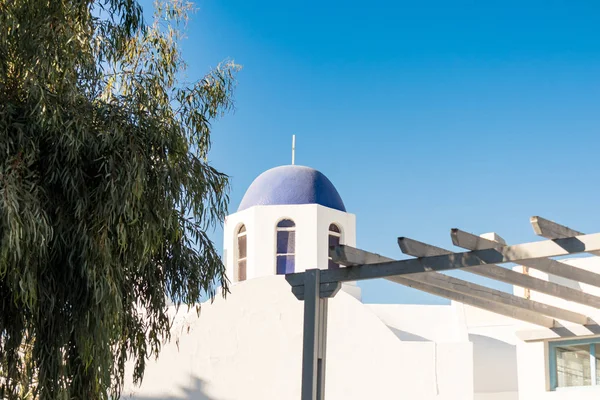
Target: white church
<point>248,346</point>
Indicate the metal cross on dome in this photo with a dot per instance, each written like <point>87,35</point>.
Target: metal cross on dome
<point>293,149</point>
<point>315,286</point>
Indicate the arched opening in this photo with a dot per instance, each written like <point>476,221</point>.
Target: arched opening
<point>335,239</point>
<point>240,267</point>
<point>286,247</point>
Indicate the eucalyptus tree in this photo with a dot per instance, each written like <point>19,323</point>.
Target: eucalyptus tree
<point>106,192</point>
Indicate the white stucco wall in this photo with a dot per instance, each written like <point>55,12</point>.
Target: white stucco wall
<point>489,338</point>
<point>422,323</point>
<point>494,343</point>
<point>532,356</point>
<point>312,230</point>
<point>249,347</point>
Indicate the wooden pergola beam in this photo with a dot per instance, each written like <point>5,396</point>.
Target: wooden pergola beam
<point>468,293</point>
<point>515,253</point>
<point>419,249</point>
<point>470,241</point>
<point>492,271</point>
<point>552,230</point>
<point>479,302</point>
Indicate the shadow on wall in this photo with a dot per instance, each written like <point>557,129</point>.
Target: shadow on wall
<point>195,391</point>
<point>565,282</point>
<point>494,365</point>
<point>407,336</point>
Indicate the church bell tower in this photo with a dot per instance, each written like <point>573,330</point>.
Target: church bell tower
<point>285,223</point>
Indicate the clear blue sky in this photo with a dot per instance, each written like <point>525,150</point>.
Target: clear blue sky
<point>425,115</point>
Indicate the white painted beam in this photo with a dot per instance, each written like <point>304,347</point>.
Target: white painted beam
<point>566,331</point>
<point>470,241</point>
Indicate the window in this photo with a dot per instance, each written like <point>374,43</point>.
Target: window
<point>286,247</point>
<point>335,238</point>
<point>240,272</point>
<point>574,363</point>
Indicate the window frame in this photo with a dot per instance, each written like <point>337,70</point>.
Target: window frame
<point>238,259</point>
<point>340,235</point>
<point>553,367</point>
<point>284,229</point>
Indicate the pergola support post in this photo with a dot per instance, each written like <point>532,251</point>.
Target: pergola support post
<point>315,338</point>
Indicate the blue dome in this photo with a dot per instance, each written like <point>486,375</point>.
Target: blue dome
<point>292,184</point>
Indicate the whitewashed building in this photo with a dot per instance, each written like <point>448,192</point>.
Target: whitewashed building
<point>249,345</point>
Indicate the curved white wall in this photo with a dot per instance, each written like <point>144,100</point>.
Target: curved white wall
<point>249,347</point>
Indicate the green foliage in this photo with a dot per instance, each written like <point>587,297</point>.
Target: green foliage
<point>105,191</point>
